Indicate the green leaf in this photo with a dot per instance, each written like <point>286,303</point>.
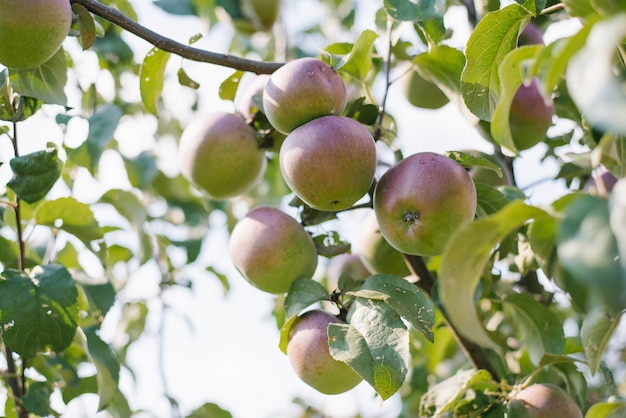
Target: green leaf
<point>541,328</point>
<point>427,14</point>
<point>617,219</point>
<point>101,297</point>
<point>209,410</point>
<point>464,259</point>
<point>580,8</point>
<point>107,365</point>
<point>221,277</point>
<point>596,331</point>
<point>141,170</point>
<point>591,80</point>
<point>34,174</point>
<point>302,294</point>
<point>442,65</point>
<point>565,367</point>
<point>512,73</point>
<point>443,397</point>
<point>37,399</point>
<point>14,108</point>
<point>185,80</point>
<point>494,37</point>
<point>228,88</point>
<point>359,61</point>
<point>46,82</point>
<point>375,344</point>
<point>40,311</point>
<point>151,78</point>
<point>86,25</point>
<point>71,216</point>
<point>607,410</point>
<point>403,297</point>
<point>475,159</point>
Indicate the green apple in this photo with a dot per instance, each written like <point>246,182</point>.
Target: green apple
<point>310,357</point>
<point>530,116</point>
<point>32,31</point>
<point>262,13</point>
<point>302,90</point>
<point>377,254</point>
<point>272,250</point>
<point>423,93</point>
<point>543,401</point>
<point>421,201</point>
<point>329,162</point>
<point>219,153</point>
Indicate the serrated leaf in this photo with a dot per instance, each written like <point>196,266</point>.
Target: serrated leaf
<point>302,294</point>
<point>40,311</point>
<point>403,297</point>
<point>46,82</point>
<point>595,333</point>
<point>512,73</point>
<point>427,14</point>
<point>86,25</point>
<point>34,174</point>
<point>375,344</point>
<point>464,259</point>
<point>541,329</point>
<point>607,410</point>
<point>228,88</point>
<point>493,38</point>
<point>359,61</point>
<point>151,78</point>
<point>71,216</point>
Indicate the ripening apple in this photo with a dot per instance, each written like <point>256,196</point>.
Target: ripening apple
<point>543,401</point>
<point>302,90</point>
<point>377,254</point>
<point>219,153</point>
<point>272,250</point>
<point>423,93</point>
<point>421,201</point>
<point>32,31</point>
<point>329,162</point>
<point>530,116</point>
<point>310,357</point>
<point>531,35</point>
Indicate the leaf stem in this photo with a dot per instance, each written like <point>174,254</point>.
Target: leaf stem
<point>552,9</point>
<point>169,45</point>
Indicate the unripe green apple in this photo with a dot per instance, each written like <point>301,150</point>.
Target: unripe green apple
<point>421,201</point>
<point>530,116</point>
<point>310,357</point>
<point>32,31</point>
<point>349,265</point>
<point>262,13</point>
<point>543,401</point>
<point>329,162</point>
<point>302,90</point>
<point>272,250</point>
<point>423,93</point>
<point>377,254</point>
<point>219,153</point>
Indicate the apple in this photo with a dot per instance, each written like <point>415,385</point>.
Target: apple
<point>421,201</point>
<point>600,184</point>
<point>423,93</point>
<point>350,265</point>
<point>272,250</point>
<point>531,35</point>
<point>530,116</point>
<point>262,13</point>
<point>377,254</point>
<point>309,355</point>
<point>219,153</point>
<point>329,162</point>
<point>302,90</point>
<point>543,401</point>
<point>32,31</point>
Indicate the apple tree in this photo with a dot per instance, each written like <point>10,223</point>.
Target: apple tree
<point>464,295</point>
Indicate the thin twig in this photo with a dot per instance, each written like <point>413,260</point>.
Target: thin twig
<point>169,45</point>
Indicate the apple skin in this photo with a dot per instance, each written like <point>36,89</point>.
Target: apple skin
<point>421,201</point>
<point>329,162</point>
<point>423,93</point>
<point>32,31</point>
<point>263,13</point>
<point>543,401</point>
<point>302,90</point>
<point>377,254</point>
<point>531,35</point>
<point>346,264</point>
<point>272,250</point>
<point>530,116</point>
<point>310,357</point>
<point>219,153</point>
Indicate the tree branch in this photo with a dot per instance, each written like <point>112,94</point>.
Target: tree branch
<point>475,353</point>
<point>169,45</point>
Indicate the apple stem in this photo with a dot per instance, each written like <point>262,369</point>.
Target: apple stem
<point>169,45</point>
<point>474,352</point>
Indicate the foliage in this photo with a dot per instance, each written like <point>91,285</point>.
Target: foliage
<point>526,293</point>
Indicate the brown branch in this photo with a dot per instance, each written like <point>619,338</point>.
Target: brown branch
<point>475,353</point>
<point>177,48</point>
